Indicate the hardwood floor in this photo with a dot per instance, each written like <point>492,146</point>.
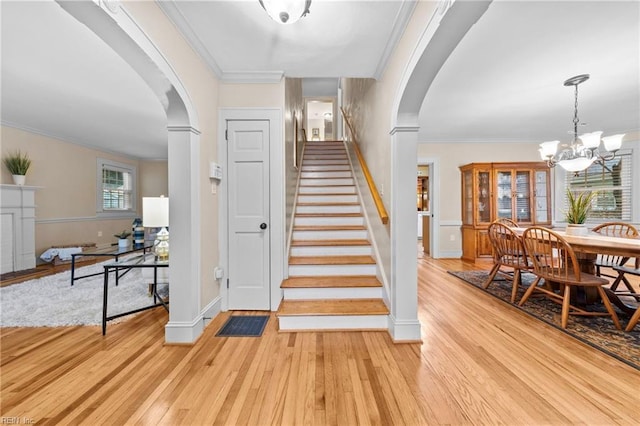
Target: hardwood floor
<point>481,362</point>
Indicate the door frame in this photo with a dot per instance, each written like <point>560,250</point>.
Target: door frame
<point>334,108</point>
<point>434,204</point>
<point>276,203</point>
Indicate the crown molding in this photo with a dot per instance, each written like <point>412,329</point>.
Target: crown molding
<point>399,25</point>
<point>252,77</point>
<point>173,13</point>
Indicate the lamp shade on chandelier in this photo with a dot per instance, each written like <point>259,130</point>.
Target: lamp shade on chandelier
<point>286,11</point>
<point>584,150</point>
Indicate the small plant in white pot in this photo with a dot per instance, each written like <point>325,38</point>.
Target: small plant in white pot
<point>18,164</point>
<point>123,238</point>
<point>579,206</point>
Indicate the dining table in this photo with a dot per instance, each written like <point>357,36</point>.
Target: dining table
<point>587,247</point>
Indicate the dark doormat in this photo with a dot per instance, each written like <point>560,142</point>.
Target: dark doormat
<point>244,326</point>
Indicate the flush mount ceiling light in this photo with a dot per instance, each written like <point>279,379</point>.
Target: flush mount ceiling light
<point>578,156</point>
<point>286,11</point>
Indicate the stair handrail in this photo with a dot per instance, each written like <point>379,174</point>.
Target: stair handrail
<point>382,212</point>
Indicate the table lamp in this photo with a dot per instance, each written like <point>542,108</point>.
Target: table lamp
<point>155,214</point>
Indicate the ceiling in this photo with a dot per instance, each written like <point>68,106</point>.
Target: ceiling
<point>503,82</point>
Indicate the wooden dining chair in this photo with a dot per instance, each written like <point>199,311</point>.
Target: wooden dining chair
<point>634,320</point>
<point>506,221</point>
<point>555,261</point>
<point>620,230</point>
<point>508,251</point>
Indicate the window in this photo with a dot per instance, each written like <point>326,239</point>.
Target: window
<point>116,187</point>
<point>612,184</point>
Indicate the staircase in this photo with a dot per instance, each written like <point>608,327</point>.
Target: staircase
<point>332,282</point>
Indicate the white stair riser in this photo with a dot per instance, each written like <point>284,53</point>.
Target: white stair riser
<point>333,322</point>
<point>325,182</point>
<point>332,293</point>
<point>310,156</point>
<point>324,168</point>
<point>328,209</point>
<point>324,162</point>
<point>323,175</point>
<point>330,235</point>
<point>327,189</point>
<point>325,221</point>
<point>346,198</point>
<point>331,251</point>
<point>332,270</point>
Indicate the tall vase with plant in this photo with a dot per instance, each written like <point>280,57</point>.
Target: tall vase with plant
<point>579,206</point>
<point>18,164</point>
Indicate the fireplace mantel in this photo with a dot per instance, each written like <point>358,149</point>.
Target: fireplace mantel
<point>18,214</point>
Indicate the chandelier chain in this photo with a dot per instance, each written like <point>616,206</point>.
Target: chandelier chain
<point>576,120</point>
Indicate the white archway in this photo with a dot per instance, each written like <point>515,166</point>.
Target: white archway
<point>111,22</point>
<point>442,34</point>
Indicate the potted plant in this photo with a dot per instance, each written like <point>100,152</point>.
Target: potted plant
<point>579,206</point>
<point>123,240</point>
<point>17,163</point>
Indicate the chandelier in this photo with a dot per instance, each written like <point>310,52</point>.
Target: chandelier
<point>579,155</point>
<point>286,11</point>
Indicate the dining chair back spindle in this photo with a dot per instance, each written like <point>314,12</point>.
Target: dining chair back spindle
<point>554,261</point>
<point>505,221</point>
<point>509,252</point>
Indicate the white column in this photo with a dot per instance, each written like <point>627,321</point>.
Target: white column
<point>403,321</point>
<point>185,323</point>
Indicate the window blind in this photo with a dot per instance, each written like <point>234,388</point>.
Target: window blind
<point>612,183</point>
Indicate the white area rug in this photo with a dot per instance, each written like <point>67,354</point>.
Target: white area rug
<point>53,302</point>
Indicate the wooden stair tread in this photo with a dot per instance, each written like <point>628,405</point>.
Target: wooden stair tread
<point>327,170</point>
<point>333,307</point>
<point>328,177</point>
<point>339,281</point>
<point>325,243</point>
<point>326,164</point>
<point>327,194</point>
<point>332,260</point>
<point>329,228</point>
<point>328,214</point>
<point>329,204</point>
<point>315,186</point>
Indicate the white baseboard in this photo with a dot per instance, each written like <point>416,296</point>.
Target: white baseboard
<point>183,332</point>
<point>404,330</point>
<point>211,310</point>
<point>450,254</point>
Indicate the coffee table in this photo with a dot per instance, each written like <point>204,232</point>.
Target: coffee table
<point>113,251</point>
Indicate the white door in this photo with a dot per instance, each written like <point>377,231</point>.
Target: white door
<point>249,230</point>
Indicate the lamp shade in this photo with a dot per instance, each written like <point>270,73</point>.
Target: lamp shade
<point>155,212</point>
<point>286,11</point>
<point>591,140</point>
<point>548,149</point>
<point>576,164</point>
<point>613,143</point>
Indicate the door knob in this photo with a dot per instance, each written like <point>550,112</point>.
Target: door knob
<point>263,226</point>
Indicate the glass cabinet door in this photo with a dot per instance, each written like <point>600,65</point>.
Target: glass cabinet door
<point>484,197</point>
<point>542,197</point>
<point>504,195</point>
<point>467,198</point>
<point>523,196</point>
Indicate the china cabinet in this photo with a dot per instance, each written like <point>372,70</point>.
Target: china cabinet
<point>516,191</point>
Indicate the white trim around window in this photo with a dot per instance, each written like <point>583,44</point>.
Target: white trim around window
<point>124,195</point>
